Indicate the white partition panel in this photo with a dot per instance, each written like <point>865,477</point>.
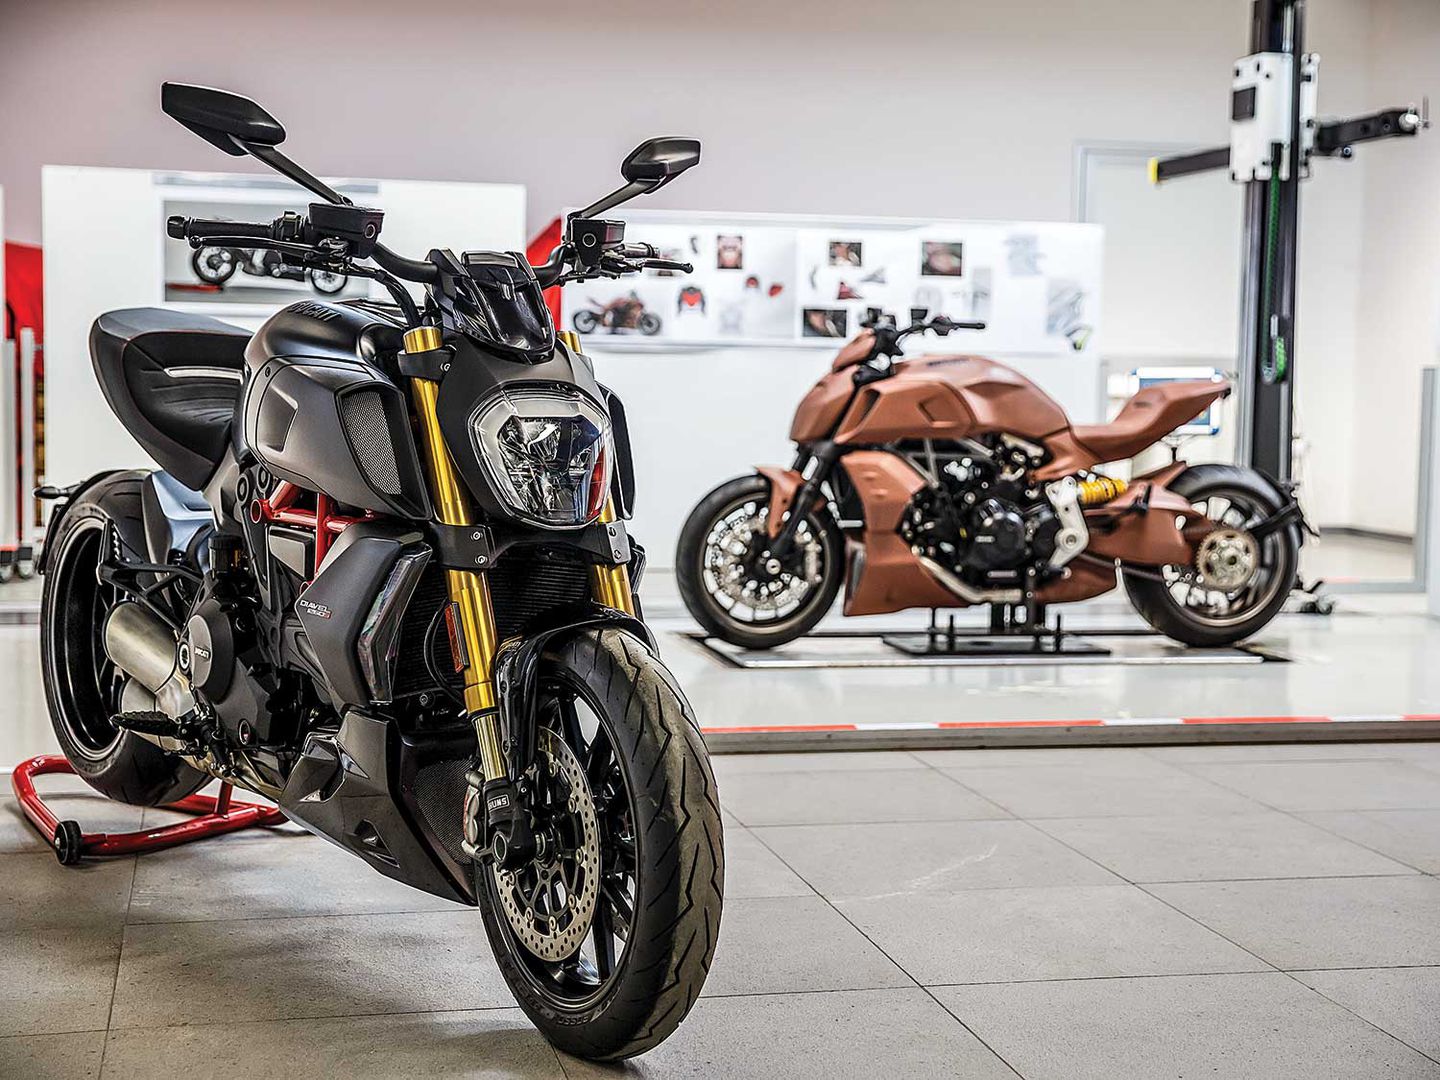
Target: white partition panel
<point>105,248</point>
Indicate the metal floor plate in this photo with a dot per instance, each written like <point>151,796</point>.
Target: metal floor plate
<point>905,649</point>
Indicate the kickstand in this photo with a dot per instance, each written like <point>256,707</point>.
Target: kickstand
<point>216,816</point>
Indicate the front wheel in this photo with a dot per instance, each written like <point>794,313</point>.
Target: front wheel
<point>606,936</point>
<point>735,588</point>
<point>1238,581</point>
<point>649,323</point>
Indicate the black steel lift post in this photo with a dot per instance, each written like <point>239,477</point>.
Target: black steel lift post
<point>1274,135</point>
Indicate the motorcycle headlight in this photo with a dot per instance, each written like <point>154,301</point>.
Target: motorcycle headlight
<point>546,454</point>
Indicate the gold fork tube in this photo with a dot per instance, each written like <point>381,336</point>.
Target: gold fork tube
<point>469,591</point>
<point>610,585</point>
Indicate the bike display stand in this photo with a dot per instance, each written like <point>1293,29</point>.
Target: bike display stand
<point>217,815</point>
<point>1011,633</point>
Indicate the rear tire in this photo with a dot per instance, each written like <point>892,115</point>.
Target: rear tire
<point>696,592</point>
<point>585,322</point>
<point>649,781</point>
<point>1279,558</point>
<point>82,686</point>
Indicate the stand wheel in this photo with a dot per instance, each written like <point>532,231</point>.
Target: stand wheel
<point>68,843</point>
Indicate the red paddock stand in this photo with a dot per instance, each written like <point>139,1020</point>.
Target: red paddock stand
<point>218,815</point>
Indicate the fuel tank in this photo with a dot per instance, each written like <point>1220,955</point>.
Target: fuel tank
<point>322,410</point>
<point>932,397</point>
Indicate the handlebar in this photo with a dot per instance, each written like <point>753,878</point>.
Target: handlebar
<point>183,228</point>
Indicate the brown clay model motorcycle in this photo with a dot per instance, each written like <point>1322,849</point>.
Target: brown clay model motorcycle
<point>949,481</point>
<point>622,313</point>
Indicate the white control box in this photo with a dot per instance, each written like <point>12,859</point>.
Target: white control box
<point>1260,115</point>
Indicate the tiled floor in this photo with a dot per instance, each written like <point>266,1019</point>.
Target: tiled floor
<point>1265,912</point>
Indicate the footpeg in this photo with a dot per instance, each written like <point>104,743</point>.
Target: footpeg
<point>149,723</point>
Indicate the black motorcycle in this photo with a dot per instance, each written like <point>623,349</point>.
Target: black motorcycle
<point>384,580</point>
<point>217,265</point>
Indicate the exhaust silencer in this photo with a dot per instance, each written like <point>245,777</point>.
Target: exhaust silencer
<point>144,648</point>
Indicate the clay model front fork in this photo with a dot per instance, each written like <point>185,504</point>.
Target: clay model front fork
<point>469,591</point>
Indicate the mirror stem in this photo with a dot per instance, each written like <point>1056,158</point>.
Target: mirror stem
<point>615,198</point>
<point>288,169</point>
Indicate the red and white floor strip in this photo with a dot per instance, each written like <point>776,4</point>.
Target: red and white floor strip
<point>1126,721</point>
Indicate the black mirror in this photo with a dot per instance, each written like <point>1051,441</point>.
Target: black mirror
<point>228,121</point>
<point>658,161</point>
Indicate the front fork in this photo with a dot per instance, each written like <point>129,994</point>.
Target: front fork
<point>469,590</point>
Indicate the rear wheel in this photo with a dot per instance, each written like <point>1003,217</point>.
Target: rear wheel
<point>585,322</point>
<point>735,588</point>
<point>649,323</point>
<point>1238,581</point>
<point>606,936</point>
<point>82,685</point>
<point>213,265</point>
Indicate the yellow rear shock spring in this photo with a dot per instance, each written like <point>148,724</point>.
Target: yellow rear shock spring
<point>1096,489</point>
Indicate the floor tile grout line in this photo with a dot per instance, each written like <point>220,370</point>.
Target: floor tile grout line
<point>119,962</point>
<point>1293,977</point>
<point>310,1018</point>
<point>1184,914</point>
<point>1295,815</point>
<point>898,966</point>
<point>458,910</point>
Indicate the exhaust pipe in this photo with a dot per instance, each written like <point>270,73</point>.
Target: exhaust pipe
<point>143,648</point>
<point>963,589</point>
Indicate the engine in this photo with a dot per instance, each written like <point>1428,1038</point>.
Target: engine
<point>981,521</point>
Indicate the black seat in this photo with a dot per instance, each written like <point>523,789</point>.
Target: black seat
<point>174,380</point>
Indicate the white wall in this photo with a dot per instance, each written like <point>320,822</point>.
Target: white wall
<point>1398,299</point>
<point>931,108</point>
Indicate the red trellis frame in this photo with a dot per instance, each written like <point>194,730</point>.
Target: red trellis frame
<point>280,507</point>
<point>217,815</point>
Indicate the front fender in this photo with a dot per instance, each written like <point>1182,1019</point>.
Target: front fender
<point>783,485</point>
<point>517,670</point>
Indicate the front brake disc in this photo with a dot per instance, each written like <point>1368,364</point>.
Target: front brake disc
<point>550,902</point>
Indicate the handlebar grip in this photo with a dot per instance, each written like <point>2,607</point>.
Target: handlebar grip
<point>183,228</point>
<point>972,325</point>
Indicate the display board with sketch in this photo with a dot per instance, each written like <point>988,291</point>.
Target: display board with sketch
<point>771,279</point>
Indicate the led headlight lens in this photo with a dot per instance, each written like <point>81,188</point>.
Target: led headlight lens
<point>546,454</point>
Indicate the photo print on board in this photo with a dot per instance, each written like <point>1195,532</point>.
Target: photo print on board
<point>942,258</point>
<point>825,322</point>
<point>729,252</point>
<point>846,253</point>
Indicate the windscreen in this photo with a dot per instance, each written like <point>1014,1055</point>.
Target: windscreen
<point>499,304</point>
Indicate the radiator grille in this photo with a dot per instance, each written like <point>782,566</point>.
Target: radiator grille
<point>524,585</point>
<point>366,427</point>
<point>440,795</point>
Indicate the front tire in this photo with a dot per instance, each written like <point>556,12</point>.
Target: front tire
<point>649,323</point>
<point>730,593</point>
<point>82,685</point>
<point>1195,611</point>
<point>653,922</point>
